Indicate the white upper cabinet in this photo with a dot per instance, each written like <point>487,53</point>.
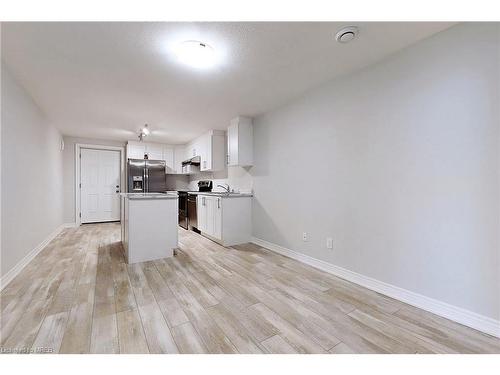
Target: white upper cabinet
<point>212,151</point>
<point>168,156</point>
<point>193,149</point>
<point>205,152</point>
<point>179,157</point>
<point>240,142</point>
<point>135,150</point>
<point>154,151</point>
<point>209,148</point>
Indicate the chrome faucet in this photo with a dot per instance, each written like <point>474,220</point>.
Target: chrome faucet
<point>226,188</point>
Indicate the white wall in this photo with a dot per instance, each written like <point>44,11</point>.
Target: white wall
<point>31,159</point>
<point>399,163</point>
<point>69,170</point>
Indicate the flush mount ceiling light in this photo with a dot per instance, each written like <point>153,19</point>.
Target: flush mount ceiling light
<point>144,132</point>
<point>196,54</point>
<point>346,34</point>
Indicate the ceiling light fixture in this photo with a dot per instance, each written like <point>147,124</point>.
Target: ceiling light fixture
<point>144,132</point>
<point>346,34</point>
<point>196,54</point>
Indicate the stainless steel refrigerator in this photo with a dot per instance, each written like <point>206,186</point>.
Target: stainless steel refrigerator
<point>146,176</point>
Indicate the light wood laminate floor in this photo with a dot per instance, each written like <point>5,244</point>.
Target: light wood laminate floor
<point>79,296</point>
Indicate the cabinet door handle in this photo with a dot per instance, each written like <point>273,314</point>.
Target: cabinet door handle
<point>227,158</point>
<point>218,202</point>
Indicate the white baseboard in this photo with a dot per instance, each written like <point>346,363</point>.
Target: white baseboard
<point>9,276</point>
<point>457,314</point>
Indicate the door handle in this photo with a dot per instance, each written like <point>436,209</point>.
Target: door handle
<point>218,202</point>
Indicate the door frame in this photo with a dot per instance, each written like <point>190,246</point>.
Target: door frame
<point>78,148</point>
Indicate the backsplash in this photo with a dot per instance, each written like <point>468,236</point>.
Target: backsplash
<point>177,182</point>
<point>238,178</point>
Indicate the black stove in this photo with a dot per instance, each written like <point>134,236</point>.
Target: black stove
<point>205,185</point>
<point>187,205</point>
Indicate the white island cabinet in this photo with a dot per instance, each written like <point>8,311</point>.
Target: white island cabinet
<point>149,225</point>
<point>225,218</point>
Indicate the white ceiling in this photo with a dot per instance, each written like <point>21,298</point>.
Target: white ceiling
<point>105,80</point>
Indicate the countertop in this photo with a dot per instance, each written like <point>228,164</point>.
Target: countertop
<point>169,195</point>
<point>221,194</point>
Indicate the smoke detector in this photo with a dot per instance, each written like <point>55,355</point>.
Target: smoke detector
<point>346,34</point>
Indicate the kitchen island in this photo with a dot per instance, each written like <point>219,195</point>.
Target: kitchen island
<point>149,225</point>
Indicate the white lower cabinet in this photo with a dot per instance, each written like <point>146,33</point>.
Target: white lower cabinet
<point>210,215</point>
<point>225,220</point>
<point>202,213</point>
<point>217,222</point>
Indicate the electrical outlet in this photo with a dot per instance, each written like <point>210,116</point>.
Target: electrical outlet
<point>304,236</point>
<point>329,243</point>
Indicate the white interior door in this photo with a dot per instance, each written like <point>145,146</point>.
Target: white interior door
<point>100,181</point>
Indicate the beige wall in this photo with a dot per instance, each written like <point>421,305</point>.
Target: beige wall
<point>31,159</point>
<point>399,163</point>
<point>69,171</point>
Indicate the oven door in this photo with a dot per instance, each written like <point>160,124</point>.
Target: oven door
<point>183,221</point>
